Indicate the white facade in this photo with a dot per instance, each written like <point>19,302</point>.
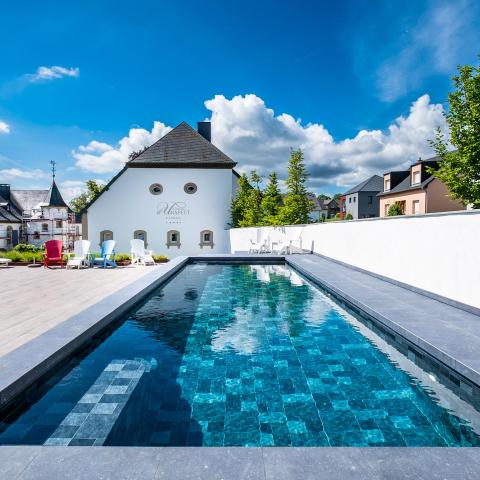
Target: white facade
<point>128,206</point>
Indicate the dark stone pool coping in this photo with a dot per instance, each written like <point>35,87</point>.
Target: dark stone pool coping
<point>25,365</point>
<point>214,463</point>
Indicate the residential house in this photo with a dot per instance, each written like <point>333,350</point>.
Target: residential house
<point>361,201</point>
<point>35,216</point>
<point>175,195</point>
<point>324,208</point>
<point>416,190</point>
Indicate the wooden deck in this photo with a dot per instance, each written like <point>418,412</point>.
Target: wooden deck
<point>33,300</point>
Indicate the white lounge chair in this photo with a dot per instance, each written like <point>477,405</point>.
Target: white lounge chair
<point>281,246</point>
<point>81,248</point>
<point>258,246</point>
<point>139,254</point>
<point>4,262</point>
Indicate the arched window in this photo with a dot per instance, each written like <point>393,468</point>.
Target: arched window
<point>44,227</point>
<point>141,235</point>
<point>105,235</point>
<point>206,238</point>
<point>173,238</point>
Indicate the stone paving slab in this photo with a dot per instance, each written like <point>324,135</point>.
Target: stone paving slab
<point>449,334</point>
<point>207,463</point>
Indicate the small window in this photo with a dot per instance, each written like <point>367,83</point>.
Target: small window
<point>173,238</point>
<point>190,188</point>
<point>387,185</point>
<point>156,189</point>
<point>141,235</point>
<point>370,199</point>
<point>416,178</point>
<point>36,235</point>
<point>416,207</point>
<point>58,223</point>
<point>354,199</point>
<point>206,238</point>
<point>44,227</point>
<point>350,200</point>
<point>105,235</point>
<point>9,236</point>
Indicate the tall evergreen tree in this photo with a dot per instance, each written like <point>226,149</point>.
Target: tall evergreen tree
<point>239,203</point>
<point>271,202</point>
<point>253,210</point>
<point>297,206</point>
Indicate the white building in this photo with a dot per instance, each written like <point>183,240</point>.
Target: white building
<point>35,216</point>
<point>175,195</point>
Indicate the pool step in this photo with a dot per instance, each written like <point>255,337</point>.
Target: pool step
<point>93,417</point>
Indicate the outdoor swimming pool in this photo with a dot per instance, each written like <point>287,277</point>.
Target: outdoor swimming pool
<point>247,355</point>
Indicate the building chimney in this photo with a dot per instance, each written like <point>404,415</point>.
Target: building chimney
<point>205,130</point>
<point>5,191</point>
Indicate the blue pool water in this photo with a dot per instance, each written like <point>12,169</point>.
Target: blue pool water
<point>244,355</point>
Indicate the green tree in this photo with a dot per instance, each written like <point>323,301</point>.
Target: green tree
<point>253,211</point>
<point>323,196</point>
<point>460,169</point>
<point>81,201</point>
<point>239,202</point>
<point>271,202</point>
<point>394,210</point>
<point>296,206</point>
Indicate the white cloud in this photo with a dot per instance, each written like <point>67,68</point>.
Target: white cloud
<point>100,157</point>
<point>51,73</point>
<point>4,127</point>
<point>253,136</point>
<point>250,132</point>
<point>12,174</point>
<point>443,37</point>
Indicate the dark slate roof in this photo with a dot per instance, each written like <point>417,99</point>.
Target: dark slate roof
<point>405,185</point>
<point>54,197</point>
<point>28,199</point>
<point>10,215</point>
<point>372,184</point>
<point>182,147</point>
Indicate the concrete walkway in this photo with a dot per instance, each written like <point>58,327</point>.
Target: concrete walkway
<point>209,463</point>
<point>447,333</point>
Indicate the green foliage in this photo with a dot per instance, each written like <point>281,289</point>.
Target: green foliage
<point>122,257</point>
<point>297,206</point>
<point>394,210</point>
<point>348,216</point>
<point>337,196</point>
<point>27,247</point>
<point>323,196</point>
<point>460,169</point>
<point>160,258</point>
<point>23,256</point>
<point>93,190</point>
<point>271,202</point>
<point>252,214</point>
<point>239,203</point>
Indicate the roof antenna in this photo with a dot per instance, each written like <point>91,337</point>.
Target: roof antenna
<point>53,163</point>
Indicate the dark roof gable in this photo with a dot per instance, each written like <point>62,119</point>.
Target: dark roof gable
<point>54,197</point>
<point>372,184</point>
<point>182,147</point>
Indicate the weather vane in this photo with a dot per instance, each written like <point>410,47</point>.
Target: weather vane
<point>53,163</point>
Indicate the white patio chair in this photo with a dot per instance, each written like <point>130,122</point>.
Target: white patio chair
<point>4,262</point>
<point>139,254</point>
<point>281,246</point>
<point>81,248</point>
<point>257,246</point>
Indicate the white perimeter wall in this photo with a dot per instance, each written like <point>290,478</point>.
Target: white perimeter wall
<point>128,206</point>
<point>439,253</point>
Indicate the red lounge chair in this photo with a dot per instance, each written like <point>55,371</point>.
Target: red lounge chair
<point>53,254</point>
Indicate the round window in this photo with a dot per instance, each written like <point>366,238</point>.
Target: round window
<point>190,188</point>
<point>156,189</point>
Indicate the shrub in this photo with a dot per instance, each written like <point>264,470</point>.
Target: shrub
<point>160,258</point>
<point>122,257</point>
<point>348,216</point>
<point>26,247</point>
<point>394,210</point>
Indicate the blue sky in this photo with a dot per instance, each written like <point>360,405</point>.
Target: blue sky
<point>359,85</point>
